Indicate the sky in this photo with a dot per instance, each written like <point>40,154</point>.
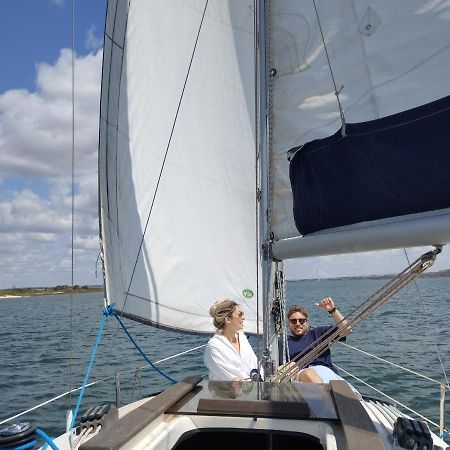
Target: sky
<point>36,141</point>
<point>36,153</point>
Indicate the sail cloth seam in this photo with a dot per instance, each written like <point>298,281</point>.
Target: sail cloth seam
<point>164,306</point>
<point>114,42</point>
<point>360,313</point>
<point>336,91</point>
<point>429,326</point>
<point>166,152</point>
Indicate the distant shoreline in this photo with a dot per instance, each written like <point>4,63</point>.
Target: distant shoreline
<point>57,290</point>
<point>440,273</point>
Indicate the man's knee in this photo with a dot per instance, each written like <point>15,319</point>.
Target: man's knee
<point>310,376</point>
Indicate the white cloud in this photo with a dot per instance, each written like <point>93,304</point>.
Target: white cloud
<point>36,144</point>
<point>92,42</point>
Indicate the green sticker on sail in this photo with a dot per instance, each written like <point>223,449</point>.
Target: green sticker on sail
<point>247,293</point>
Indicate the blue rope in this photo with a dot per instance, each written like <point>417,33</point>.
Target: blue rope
<point>30,444</point>
<point>141,352</point>
<point>106,313</point>
<point>46,438</point>
<point>445,433</point>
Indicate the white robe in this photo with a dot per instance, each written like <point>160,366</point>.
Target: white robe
<point>225,363</point>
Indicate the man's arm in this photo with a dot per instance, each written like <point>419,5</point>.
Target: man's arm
<point>328,305</point>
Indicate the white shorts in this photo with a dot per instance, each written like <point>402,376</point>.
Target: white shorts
<point>326,374</point>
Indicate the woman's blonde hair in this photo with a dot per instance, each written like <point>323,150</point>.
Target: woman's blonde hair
<point>220,310</point>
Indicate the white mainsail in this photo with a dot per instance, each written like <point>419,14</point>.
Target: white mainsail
<point>385,58</point>
<point>199,245</point>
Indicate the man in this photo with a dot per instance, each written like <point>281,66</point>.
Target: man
<point>320,370</point>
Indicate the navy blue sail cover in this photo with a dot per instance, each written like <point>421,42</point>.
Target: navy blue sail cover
<point>387,167</point>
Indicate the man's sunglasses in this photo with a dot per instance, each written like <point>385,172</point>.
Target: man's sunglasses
<point>300,321</point>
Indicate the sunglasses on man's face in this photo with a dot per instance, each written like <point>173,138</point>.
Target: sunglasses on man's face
<point>300,321</point>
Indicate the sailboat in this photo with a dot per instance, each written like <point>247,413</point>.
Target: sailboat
<point>235,135</point>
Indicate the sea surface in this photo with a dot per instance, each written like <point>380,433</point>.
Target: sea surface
<point>410,330</point>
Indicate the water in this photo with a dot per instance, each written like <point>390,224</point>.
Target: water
<point>35,337</point>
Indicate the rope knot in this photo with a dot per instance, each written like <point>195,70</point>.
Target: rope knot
<point>109,311</point>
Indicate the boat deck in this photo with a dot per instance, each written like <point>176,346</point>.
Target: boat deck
<point>336,405</point>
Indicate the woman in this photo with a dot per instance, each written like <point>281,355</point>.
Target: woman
<point>228,354</point>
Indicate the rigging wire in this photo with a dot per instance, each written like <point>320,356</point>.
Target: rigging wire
<point>69,400</point>
<point>361,312</point>
<point>336,91</point>
<point>390,363</point>
<point>165,156</point>
<point>422,303</point>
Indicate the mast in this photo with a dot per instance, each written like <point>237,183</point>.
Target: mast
<point>264,169</point>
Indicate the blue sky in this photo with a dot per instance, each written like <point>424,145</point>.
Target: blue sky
<point>35,141</point>
<point>35,152</point>
<point>36,30</point>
